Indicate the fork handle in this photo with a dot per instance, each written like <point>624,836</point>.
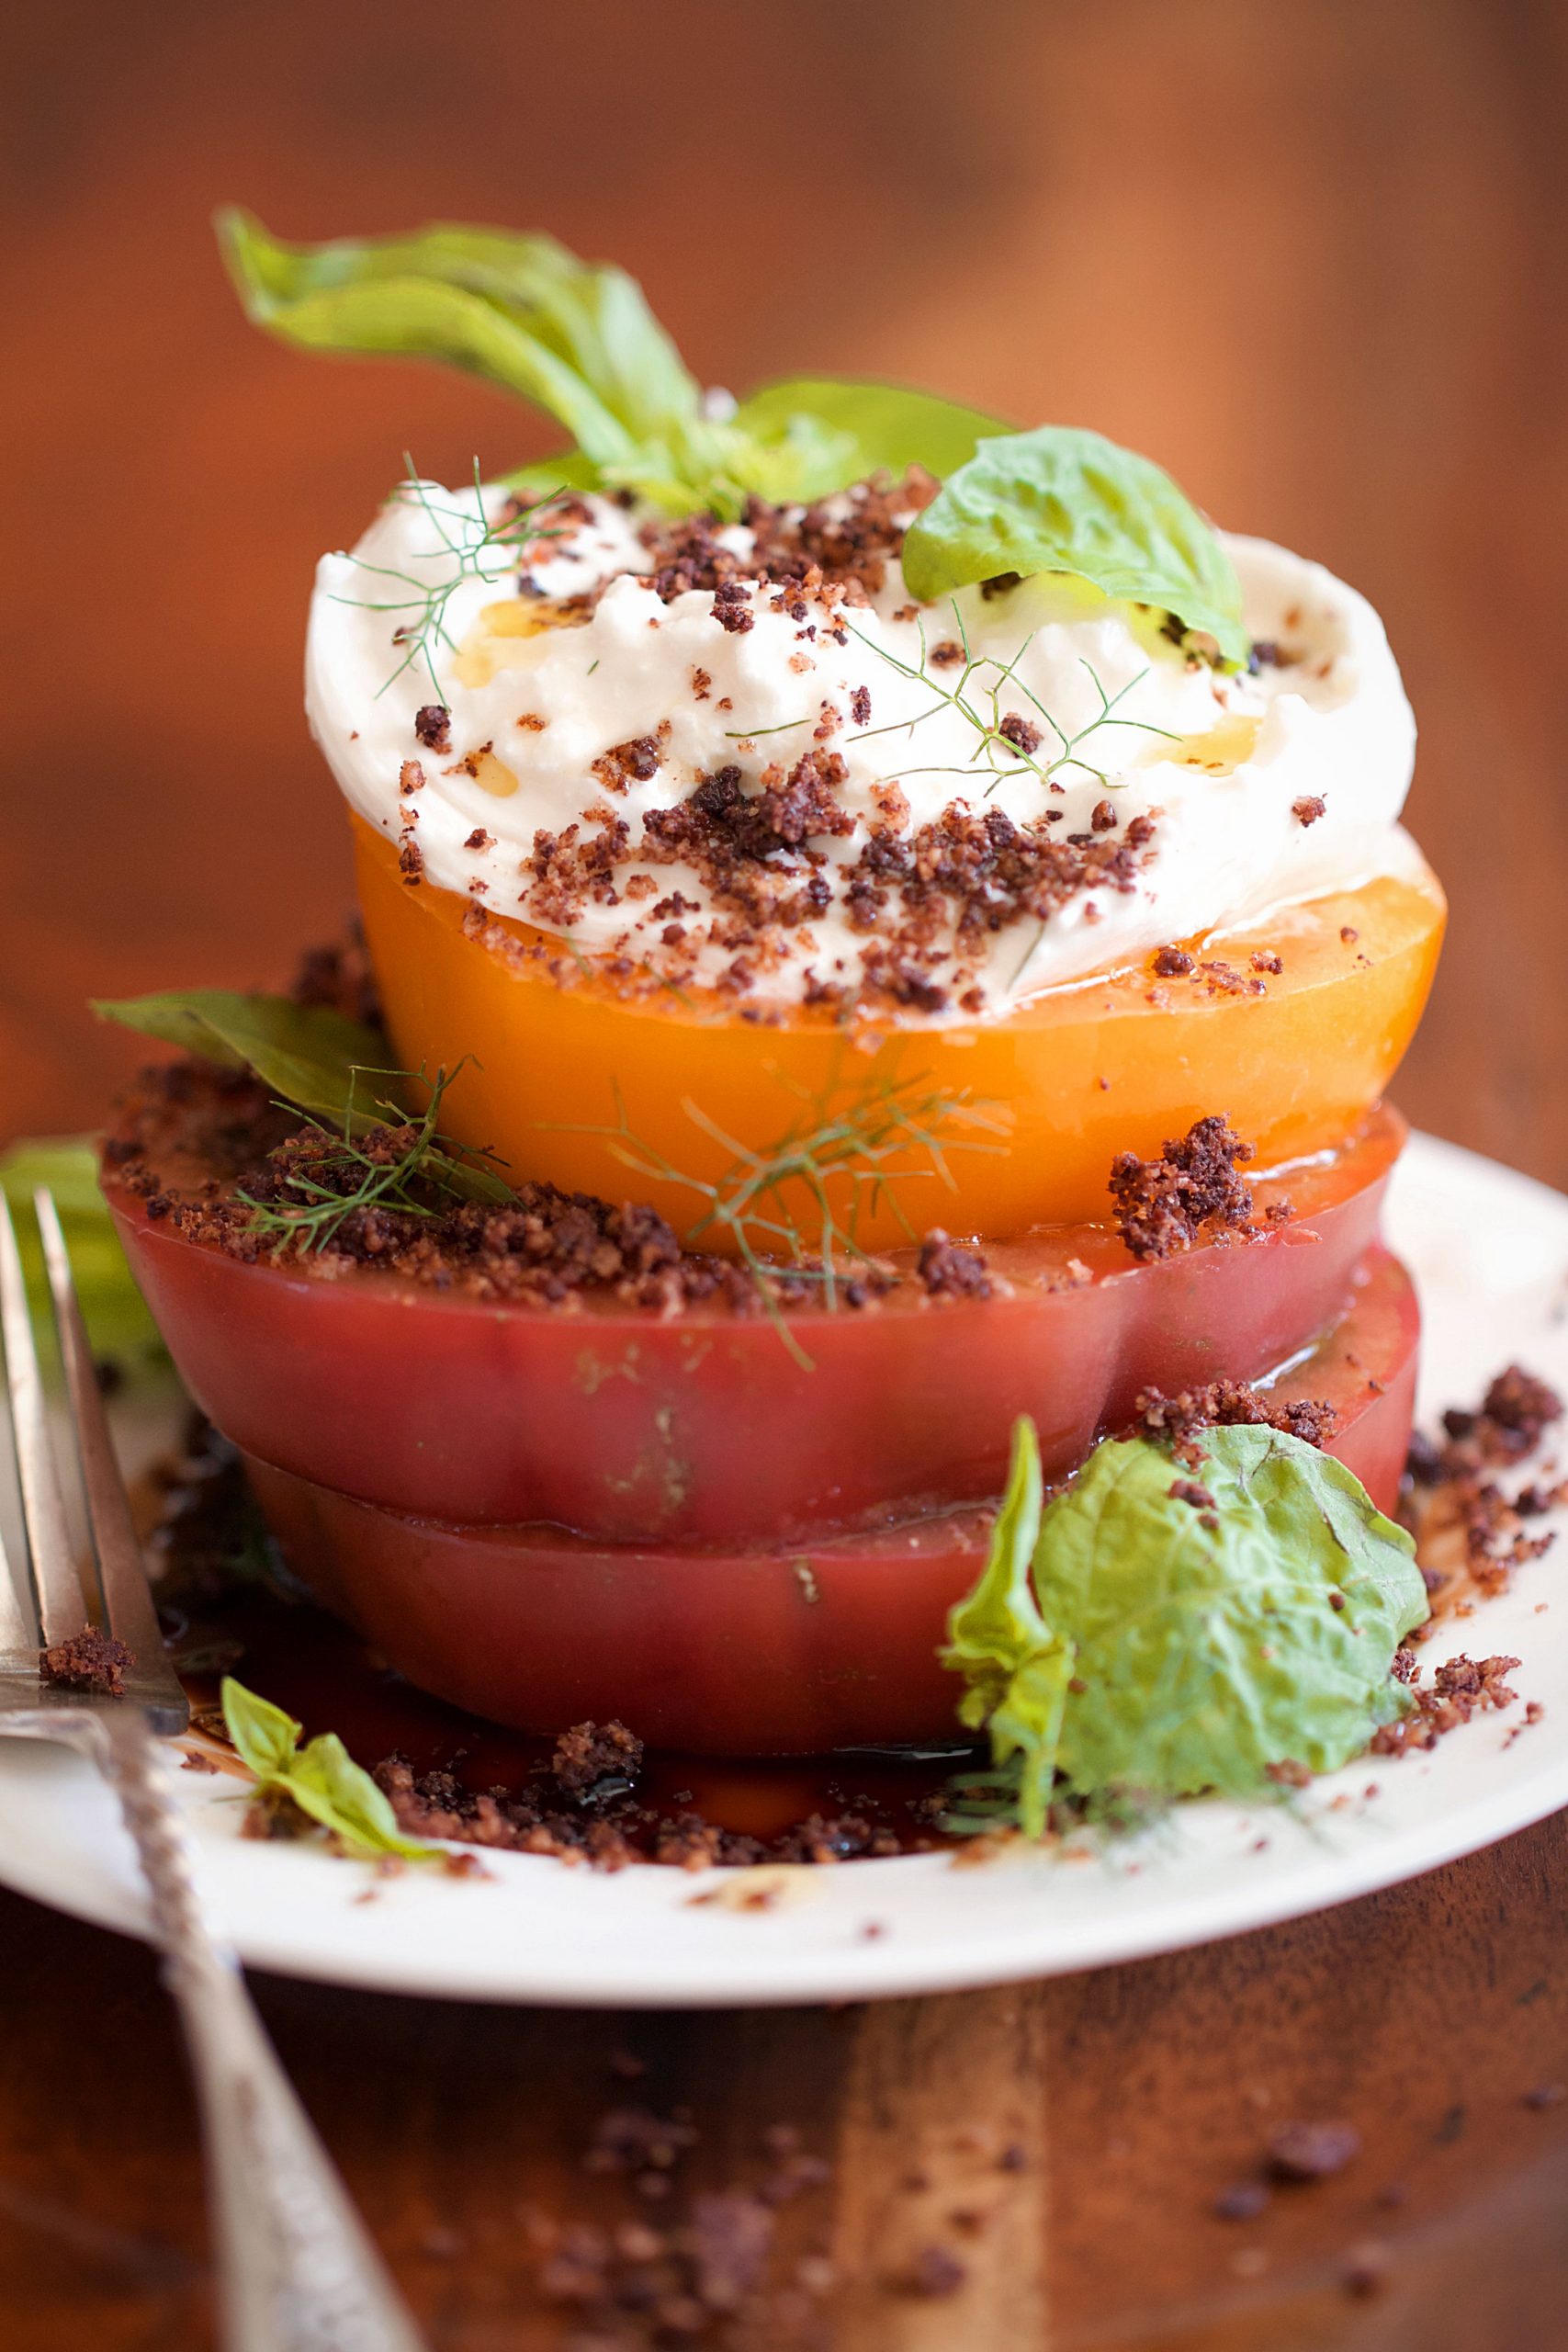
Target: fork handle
<point>297,2269</point>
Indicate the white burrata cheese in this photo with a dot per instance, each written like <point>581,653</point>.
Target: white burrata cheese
<point>553,663</point>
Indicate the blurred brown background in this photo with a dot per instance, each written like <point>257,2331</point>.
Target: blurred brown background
<point>1310,256</point>
<point>1307,253</point>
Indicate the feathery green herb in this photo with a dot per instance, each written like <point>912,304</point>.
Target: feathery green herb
<point>384,1166</point>
<point>983,678</point>
<point>472,547</point>
<point>315,1060</point>
<point>863,1150</point>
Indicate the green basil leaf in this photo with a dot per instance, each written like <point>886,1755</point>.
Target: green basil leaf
<point>1062,499</point>
<point>1209,1644</point>
<point>327,1783</point>
<point>594,316</point>
<point>1202,1646</point>
<point>575,338</point>
<point>805,458</point>
<point>518,310</point>
<point>1025,1727</point>
<point>998,1624</point>
<point>1016,1667</point>
<point>832,431</point>
<point>265,1737</point>
<point>306,1053</point>
<point>118,1322</point>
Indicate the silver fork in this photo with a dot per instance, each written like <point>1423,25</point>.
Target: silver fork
<point>297,2270</point>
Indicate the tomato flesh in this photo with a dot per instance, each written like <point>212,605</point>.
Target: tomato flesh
<point>705,1428</point>
<point>727,1649</point>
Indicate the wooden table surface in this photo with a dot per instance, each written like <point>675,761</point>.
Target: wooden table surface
<point>1311,258</point>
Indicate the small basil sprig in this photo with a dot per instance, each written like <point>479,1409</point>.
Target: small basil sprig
<point>322,1778</point>
<point>1062,499</point>
<point>302,1053</point>
<point>1121,1639</point>
<point>578,339</point>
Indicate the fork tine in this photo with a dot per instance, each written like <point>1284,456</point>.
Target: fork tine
<point>127,1600</point>
<point>62,1609</point>
<point>16,1632</point>
<point>19,1634</point>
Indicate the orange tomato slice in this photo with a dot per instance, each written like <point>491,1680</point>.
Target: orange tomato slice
<point>618,1088</point>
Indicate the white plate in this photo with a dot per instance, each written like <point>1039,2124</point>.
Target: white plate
<point>1490,1251</point>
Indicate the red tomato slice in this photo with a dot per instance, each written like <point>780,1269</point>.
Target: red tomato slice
<point>735,1651</point>
<point>706,1429</point>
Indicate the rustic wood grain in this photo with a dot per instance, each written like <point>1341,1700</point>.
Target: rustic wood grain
<point>1065,2141</point>
<point>941,2143</point>
<point>1311,258</point>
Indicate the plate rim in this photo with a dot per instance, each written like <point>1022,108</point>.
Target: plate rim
<point>89,1887</point>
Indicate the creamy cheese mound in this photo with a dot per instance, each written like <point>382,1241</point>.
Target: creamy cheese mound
<point>531,725</point>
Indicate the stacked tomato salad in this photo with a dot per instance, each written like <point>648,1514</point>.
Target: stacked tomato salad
<point>849,1148</point>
